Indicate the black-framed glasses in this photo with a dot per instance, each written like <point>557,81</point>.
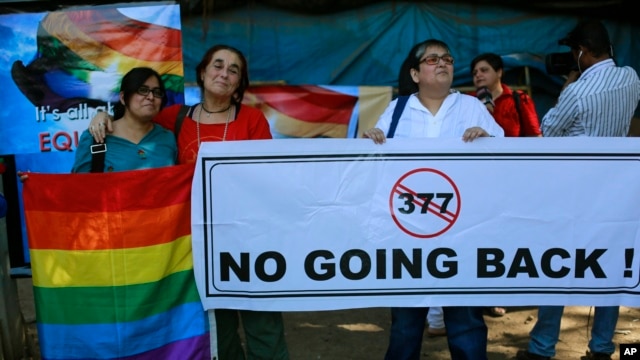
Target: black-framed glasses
<point>434,59</point>
<point>145,90</point>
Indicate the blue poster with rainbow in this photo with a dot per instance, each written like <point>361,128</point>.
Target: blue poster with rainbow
<point>58,68</point>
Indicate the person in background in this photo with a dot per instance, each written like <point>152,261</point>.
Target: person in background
<point>436,110</point>
<point>136,142</point>
<point>435,322</point>
<point>516,119</point>
<point>223,77</point>
<point>597,100</point>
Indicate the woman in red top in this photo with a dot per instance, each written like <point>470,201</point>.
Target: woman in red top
<point>487,70</point>
<point>223,77</point>
<point>522,120</point>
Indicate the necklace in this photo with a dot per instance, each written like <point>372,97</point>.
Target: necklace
<point>213,112</point>
<point>226,124</point>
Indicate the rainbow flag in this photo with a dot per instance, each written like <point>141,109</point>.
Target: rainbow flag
<point>112,265</point>
<point>83,54</point>
<point>304,110</point>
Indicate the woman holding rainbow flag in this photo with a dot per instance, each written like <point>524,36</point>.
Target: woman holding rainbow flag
<point>223,77</point>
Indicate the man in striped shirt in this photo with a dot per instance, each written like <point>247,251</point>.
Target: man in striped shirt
<point>600,98</point>
<point>597,100</point>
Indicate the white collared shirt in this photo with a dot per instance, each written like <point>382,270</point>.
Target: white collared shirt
<point>457,113</point>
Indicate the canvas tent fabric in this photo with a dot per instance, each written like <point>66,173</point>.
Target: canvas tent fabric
<point>366,45</point>
<point>608,8</point>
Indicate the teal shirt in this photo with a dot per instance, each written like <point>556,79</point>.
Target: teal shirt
<point>157,149</point>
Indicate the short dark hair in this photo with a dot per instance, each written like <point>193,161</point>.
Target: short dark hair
<point>415,55</point>
<point>494,60</point>
<point>244,71</point>
<point>130,84</point>
<point>591,34</point>
<point>406,85</point>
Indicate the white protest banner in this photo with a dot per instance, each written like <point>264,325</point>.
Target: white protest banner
<point>325,224</point>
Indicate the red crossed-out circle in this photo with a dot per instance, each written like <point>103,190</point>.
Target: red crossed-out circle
<point>424,203</point>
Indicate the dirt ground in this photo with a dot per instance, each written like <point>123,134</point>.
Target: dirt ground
<point>362,334</point>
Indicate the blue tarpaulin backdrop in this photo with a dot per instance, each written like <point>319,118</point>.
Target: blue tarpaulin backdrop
<point>365,46</point>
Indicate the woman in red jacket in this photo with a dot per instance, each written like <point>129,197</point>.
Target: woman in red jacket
<point>516,119</point>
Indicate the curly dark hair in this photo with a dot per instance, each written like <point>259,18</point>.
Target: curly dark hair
<point>244,72</point>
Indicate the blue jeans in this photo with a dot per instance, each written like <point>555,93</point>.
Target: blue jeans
<point>546,332</point>
<point>466,333</point>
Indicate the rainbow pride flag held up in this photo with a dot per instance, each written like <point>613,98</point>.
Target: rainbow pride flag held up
<point>112,265</point>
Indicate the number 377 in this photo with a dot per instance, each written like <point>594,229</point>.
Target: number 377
<point>410,202</point>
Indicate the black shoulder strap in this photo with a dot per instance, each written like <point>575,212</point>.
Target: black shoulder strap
<point>184,109</point>
<point>397,111</point>
<point>98,152</point>
<point>516,100</point>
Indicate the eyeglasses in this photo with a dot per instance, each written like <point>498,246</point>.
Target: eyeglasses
<point>435,59</point>
<point>145,90</point>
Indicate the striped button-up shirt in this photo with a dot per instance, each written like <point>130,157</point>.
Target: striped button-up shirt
<point>600,103</point>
